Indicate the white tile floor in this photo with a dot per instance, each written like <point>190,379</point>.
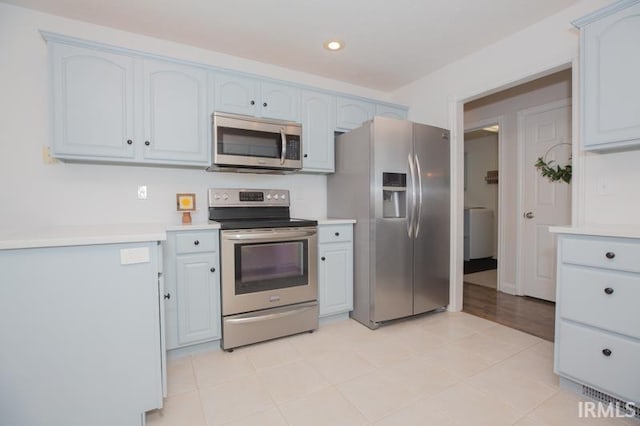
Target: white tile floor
<point>441,369</point>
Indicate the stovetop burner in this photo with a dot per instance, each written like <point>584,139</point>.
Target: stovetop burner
<point>252,208</point>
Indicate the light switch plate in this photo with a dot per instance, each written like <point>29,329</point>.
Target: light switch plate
<point>142,192</point>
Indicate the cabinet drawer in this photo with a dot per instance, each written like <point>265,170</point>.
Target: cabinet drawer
<point>335,233</point>
<point>581,356</point>
<point>611,253</point>
<point>601,298</point>
<point>196,242</point>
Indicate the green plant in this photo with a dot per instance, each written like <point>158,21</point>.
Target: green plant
<point>554,172</point>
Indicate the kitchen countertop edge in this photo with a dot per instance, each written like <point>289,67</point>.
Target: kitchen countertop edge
<point>332,221</point>
<point>621,231</point>
<point>81,235</point>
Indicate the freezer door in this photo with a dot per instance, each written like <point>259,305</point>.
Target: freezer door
<point>431,244</point>
<point>392,268</point>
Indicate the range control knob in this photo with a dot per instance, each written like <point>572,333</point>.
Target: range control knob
<point>225,196</point>
<point>283,196</point>
<point>268,196</point>
<point>276,196</point>
<point>216,197</point>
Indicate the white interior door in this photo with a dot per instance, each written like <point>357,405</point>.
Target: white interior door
<point>544,130</point>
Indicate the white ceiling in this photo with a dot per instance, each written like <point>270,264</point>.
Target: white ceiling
<point>389,43</point>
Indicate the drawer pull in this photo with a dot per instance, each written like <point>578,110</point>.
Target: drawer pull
<point>606,352</point>
<point>608,290</point>
<point>610,255</point>
<point>323,258</point>
<point>196,242</point>
<point>212,269</point>
<point>337,234</point>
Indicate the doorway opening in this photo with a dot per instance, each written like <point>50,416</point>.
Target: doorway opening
<point>501,186</point>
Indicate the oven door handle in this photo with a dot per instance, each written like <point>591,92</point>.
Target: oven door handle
<point>270,235</point>
<point>267,317</point>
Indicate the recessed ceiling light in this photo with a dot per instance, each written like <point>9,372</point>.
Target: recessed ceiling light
<point>333,44</point>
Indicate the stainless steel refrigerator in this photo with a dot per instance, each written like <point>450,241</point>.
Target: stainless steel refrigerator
<point>392,176</point>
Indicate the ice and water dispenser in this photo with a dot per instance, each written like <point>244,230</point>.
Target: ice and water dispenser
<point>394,195</point>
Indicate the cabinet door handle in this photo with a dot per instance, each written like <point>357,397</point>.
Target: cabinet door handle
<point>305,156</point>
<point>167,296</point>
<point>196,242</point>
<point>129,142</point>
<point>264,104</point>
<point>606,352</point>
<point>608,290</point>
<point>323,258</point>
<point>252,102</point>
<point>147,143</point>
<point>212,269</point>
<point>337,234</point>
<point>610,255</point>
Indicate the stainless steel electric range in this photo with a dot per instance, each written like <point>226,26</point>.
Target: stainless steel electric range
<point>268,266</point>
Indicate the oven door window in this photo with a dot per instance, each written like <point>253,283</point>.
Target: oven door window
<point>270,266</point>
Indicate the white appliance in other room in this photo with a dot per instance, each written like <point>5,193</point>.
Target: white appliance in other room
<point>478,233</point>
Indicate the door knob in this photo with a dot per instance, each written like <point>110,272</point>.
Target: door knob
<point>529,215</point>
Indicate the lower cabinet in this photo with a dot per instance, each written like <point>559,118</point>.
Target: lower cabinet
<point>335,269</point>
<point>597,320</point>
<point>192,288</point>
<point>80,331</point>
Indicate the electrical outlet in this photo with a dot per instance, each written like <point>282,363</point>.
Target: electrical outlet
<point>142,192</point>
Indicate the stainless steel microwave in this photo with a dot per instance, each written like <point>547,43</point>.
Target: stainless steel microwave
<point>243,143</point>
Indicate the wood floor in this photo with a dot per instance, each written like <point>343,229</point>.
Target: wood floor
<point>533,316</point>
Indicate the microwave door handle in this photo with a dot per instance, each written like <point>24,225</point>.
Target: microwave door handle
<point>283,154</point>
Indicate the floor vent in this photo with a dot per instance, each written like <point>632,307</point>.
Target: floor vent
<point>608,399</point>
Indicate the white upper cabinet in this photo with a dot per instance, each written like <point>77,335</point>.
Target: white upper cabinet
<point>353,112</point>
<point>280,102</point>
<point>253,97</point>
<point>118,108</point>
<point>93,103</point>
<point>318,124</point>
<point>391,112</point>
<point>115,105</point>
<point>238,95</point>
<point>175,113</point>
<point>610,66</point>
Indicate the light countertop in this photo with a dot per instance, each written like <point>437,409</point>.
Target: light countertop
<point>332,221</point>
<point>59,236</point>
<point>623,231</point>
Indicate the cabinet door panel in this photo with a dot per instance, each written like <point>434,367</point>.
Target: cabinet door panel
<point>352,113</point>
<point>93,103</point>
<point>335,278</point>
<point>198,298</point>
<point>280,102</point>
<point>387,111</point>
<point>237,95</point>
<point>318,124</point>
<point>611,66</point>
<point>176,116</point>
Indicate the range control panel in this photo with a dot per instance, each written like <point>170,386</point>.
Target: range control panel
<point>234,197</point>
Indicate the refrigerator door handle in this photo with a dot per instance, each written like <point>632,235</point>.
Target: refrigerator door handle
<point>418,215</point>
<point>412,208</point>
